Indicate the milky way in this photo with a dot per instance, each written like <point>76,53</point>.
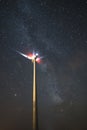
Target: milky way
<point>57,31</point>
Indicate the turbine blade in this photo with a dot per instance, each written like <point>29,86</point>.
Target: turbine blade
<point>23,55</point>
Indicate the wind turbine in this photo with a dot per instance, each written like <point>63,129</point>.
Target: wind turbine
<point>34,58</point>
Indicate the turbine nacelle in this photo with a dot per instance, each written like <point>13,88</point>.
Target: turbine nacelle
<point>33,56</point>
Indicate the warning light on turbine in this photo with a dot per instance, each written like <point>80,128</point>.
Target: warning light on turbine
<point>38,60</point>
<point>36,56</point>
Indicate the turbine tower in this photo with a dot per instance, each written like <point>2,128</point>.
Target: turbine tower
<point>34,58</point>
<point>35,118</point>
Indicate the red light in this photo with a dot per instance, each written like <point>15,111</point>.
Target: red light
<point>38,60</point>
<point>30,55</point>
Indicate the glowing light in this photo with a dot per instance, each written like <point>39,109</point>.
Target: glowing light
<point>38,60</point>
<point>30,55</point>
<point>37,54</point>
<point>34,55</point>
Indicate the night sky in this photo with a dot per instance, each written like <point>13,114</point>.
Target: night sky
<point>57,30</point>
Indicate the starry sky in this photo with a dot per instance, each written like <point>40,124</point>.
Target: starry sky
<point>57,30</point>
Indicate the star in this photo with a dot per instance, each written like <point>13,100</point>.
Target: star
<point>15,95</point>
